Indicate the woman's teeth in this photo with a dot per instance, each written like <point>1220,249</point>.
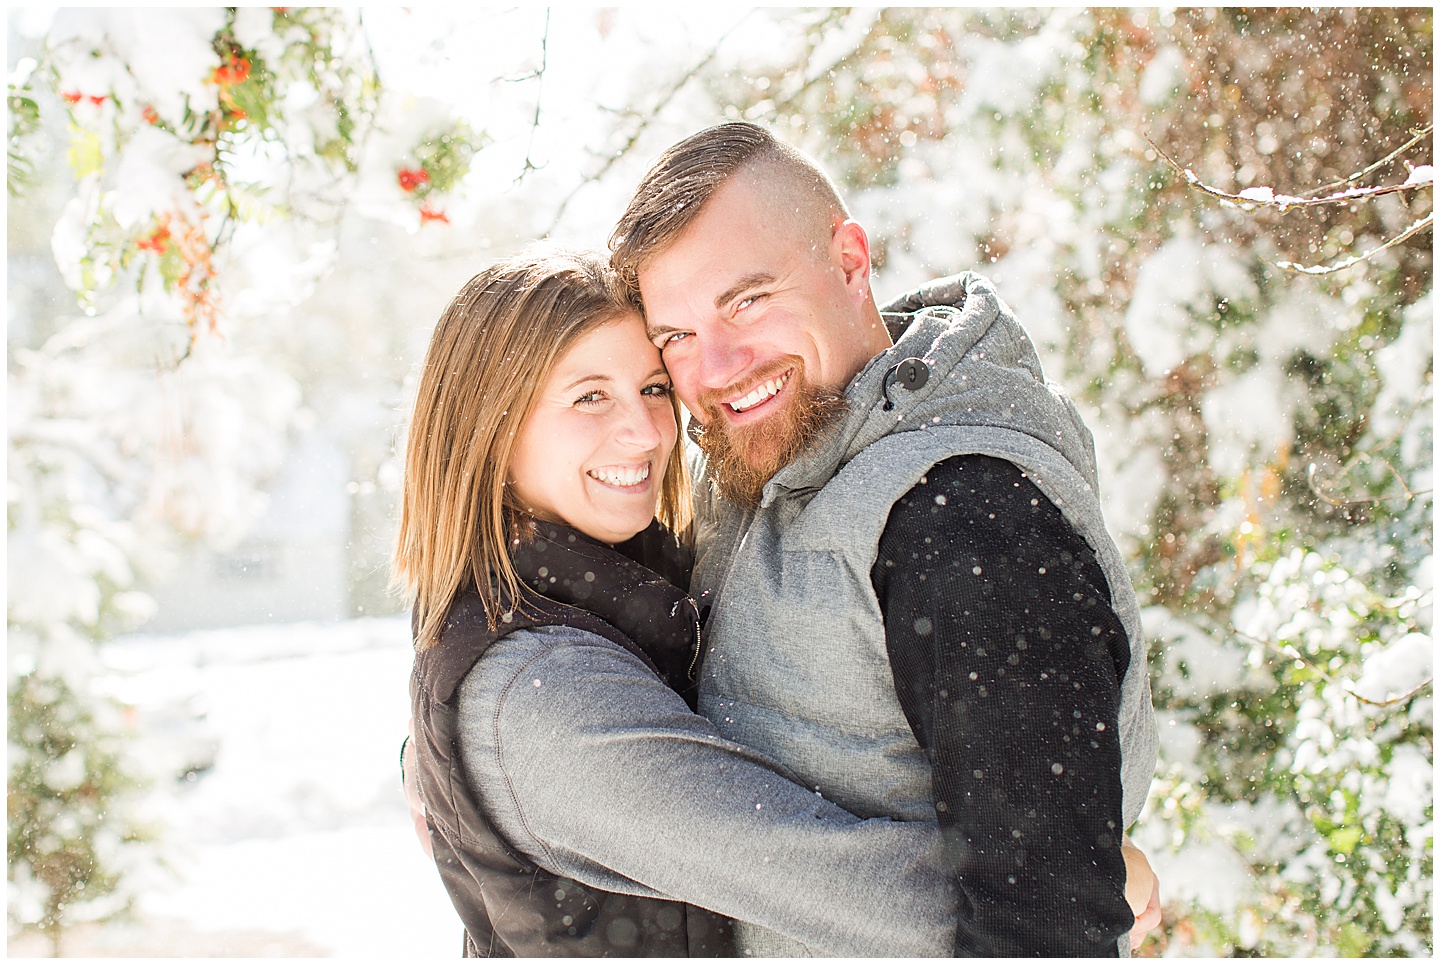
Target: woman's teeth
<point>621,475</point>
<point>760,393</point>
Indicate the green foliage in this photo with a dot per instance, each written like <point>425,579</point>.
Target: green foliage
<point>1330,754</point>
<point>254,110</point>
<point>24,115</point>
<point>65,783</point>
<point>436,166</point>
<point>445,157</point>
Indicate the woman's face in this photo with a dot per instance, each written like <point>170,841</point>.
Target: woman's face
<point>593,451</point>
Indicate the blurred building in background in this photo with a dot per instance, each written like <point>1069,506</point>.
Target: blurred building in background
<point>292,566</point>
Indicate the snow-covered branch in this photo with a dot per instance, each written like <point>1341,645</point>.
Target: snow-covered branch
<point>1266,197</point>
<point>1350,262</point>
<point>1293,653</point>
<point>1263,196</point>
<point>1370,169</point>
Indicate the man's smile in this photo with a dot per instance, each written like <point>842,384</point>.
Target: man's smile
<point>761,394</point>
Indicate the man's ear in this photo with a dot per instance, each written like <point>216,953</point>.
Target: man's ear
<point>850,252</point>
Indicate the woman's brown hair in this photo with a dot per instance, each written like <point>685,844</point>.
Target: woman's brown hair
<point>493,348</point>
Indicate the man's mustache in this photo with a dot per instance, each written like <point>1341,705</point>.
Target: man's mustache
<point>743,458</point>
<point>711,400</point>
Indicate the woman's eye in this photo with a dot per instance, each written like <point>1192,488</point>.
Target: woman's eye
<point>589,398</point>
<point>657,388</point>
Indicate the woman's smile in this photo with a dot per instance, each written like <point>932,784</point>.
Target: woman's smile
<point>633,478</point>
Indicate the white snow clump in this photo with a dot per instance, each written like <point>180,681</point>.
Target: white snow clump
<point>150,179</point>
<point>1402,366</point>
<point>1162,77</point>
<point>1397,669</point>
<point>1182,280</point>
<point>161,57</point>
<point>1247,415</point>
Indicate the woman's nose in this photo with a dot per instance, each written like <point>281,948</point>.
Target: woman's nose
<point>638,426</point>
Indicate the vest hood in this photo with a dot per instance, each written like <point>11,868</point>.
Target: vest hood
<point>980,369</point>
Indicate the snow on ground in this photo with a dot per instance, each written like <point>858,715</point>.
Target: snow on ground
<point>299,831</point>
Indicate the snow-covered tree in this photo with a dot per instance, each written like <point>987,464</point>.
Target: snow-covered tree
<point>205,148</point>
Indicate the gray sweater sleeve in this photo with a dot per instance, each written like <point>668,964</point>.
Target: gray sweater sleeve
<point>589,765</point>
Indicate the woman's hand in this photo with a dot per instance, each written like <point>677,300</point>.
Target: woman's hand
<point>1142,891</point>
<point>410,771</point>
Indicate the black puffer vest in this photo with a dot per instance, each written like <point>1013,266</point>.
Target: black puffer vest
<point>509,906</point>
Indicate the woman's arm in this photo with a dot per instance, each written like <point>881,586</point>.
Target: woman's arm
<point>587,763</point>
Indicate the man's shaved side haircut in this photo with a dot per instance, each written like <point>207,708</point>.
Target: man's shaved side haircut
<point>684,178</point>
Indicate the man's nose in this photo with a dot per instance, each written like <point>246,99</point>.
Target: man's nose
<point>722,361</point>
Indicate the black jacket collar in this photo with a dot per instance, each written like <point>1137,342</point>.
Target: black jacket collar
<point>568,567</point>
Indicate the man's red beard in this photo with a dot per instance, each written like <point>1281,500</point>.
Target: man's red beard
<point>743,458</point>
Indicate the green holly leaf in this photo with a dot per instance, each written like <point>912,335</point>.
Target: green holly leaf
<point>86,156</point>
<point>1343,840</point>
<point>249,203</point>
<point>252,97</point>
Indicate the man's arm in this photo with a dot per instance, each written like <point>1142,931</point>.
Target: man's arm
<point>1008,659</point>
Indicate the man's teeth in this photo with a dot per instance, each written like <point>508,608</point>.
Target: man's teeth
<point>760,393</point>
<point>622,475</point>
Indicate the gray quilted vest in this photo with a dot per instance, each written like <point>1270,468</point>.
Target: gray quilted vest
<point>798,666</point>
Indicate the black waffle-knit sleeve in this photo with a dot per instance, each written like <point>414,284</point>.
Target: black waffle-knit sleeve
<point>1007,660</point>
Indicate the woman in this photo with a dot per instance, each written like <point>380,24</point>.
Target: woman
<point>570,789</point>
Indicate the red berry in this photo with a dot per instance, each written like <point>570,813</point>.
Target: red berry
<point>412,178</point>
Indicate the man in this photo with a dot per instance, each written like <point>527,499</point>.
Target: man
<point>913,600</point>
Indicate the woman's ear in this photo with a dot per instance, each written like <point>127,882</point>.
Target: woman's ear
<point>850,252</point>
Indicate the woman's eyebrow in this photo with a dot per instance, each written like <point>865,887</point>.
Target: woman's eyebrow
<point>588,378</point>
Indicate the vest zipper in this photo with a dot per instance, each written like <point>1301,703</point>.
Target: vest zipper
<point>694,660</point>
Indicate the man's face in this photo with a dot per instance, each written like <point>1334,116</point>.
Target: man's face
<point>761,325</point>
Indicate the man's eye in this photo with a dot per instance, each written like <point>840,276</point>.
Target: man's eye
<point>747,301</point>
<point>672,338</point>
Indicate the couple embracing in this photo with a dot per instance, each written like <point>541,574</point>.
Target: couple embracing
<point>862,675</point>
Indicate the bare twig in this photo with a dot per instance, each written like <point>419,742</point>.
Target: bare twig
<point>1313,471</point>
<point>1286,650</point>
<point>1366,456</point>
<point>641,126</point>
<point>1350,262</point>
<point>362,146</point>
<point>826,76</point>
<point>539,76</point>
<point>1264,197</point>
<point>1377,165</point>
